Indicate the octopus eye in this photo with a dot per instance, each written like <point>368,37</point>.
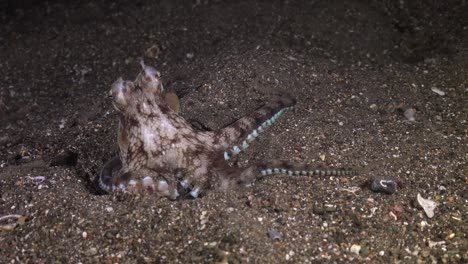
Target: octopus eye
<point>149,79</point>
<point>151,73</point>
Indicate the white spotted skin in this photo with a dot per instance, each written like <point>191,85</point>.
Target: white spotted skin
<point>160,151</point>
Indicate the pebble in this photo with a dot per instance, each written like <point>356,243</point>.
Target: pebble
<point>3,140</point>
<point>442,189</point>
<point>318,210</point>
<point>373,107</point>
<point>425,253</point>
<point>386,185</point>
<point>330,208</point>
<point>91,252</point>
<point>84,234</point>
<point>364,252</point>
<point>109,209</point>
<point>109,235</point>
<point>280,220</point>
<point>409,114</point>
<point>355,249</point>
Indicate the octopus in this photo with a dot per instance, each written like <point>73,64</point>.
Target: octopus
<point>161,153</point>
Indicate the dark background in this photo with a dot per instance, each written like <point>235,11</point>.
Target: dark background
<point>355,67</point>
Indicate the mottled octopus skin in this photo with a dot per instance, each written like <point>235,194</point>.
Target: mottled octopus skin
<point>160,152</point>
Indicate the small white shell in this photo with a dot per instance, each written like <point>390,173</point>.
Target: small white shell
<point>438,91</point>
<point>427,204</point>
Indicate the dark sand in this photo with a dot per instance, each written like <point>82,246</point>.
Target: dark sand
<point>355,68</point>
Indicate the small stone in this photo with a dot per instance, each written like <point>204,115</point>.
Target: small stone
<point>21,220</point>
<point>190,55</point>
<point>109,209</point>
<point>442,189</point>
<point>373,107</point>
<point>386,185</point>
<point>62,123</point>
<point>464,193</point>
<point>430,61</point>
<point>330,208</point>
<point>409,114</point>
<point>364,252</point>
<point>427,205</point>
<point>109,235</point>
<point>4,140</point>
<point>289,255</point>
<point>436,243</point>
<point>91,252</point>
<point>318,210</point>
<point>425,253</point>
<point>280,220</point>
<point>355,249</point>
<point>84,234</point>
